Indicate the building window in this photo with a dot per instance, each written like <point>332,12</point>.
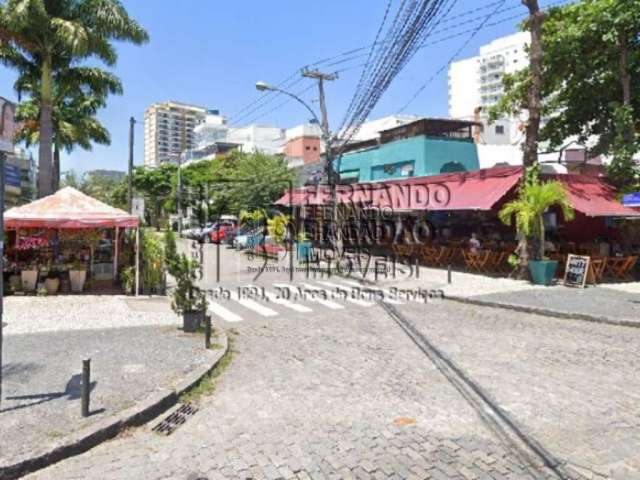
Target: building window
<point>451,167</point>
<point>499,129</point>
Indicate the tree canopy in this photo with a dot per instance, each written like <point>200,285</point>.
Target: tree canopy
<point>589,88</point>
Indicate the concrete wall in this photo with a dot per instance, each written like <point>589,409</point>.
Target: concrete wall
<point>428,154</point>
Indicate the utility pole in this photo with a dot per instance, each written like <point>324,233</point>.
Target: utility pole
<point>132,124</point>
<point>326,135</point>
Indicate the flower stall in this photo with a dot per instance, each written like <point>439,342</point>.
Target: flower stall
<point>61,241</point>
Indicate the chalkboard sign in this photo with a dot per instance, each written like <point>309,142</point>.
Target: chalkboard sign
<point>576,271</point>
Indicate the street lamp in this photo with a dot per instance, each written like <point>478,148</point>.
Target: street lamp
<point>326,137</point>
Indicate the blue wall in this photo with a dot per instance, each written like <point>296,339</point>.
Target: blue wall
<point>428,154</point>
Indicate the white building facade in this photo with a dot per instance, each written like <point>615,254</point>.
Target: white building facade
<point>169,131</point>
<point>475,85</point>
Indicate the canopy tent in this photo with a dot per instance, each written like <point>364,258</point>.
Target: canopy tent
<point>69,208</point>
<point>476,190</point>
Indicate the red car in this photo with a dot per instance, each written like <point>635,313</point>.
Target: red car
<point>222,232</point>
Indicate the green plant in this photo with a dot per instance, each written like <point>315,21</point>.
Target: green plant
<point>170,251</point>
<point>187,296</point>
<point>153,263</point>
<point>278,227</point>
<point>128,278</point>
<point>78,265</point>
<point>534,199</point>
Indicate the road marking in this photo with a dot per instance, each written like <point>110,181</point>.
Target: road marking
<point>348,291</point>
<point>284,302</point>
<point>255,306</point>
<point>310,297</point>
<point>387,295</point>
<point>227,315</point>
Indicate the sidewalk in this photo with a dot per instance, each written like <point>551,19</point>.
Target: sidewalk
<point>614,303</point>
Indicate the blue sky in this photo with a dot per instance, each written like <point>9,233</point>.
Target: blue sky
<point>211,53</point>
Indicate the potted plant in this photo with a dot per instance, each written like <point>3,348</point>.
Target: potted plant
<point>128,279</point>
<point>303,247</point>
<point>534,199</point>
<point>77,276</point>
<point>52,283</point>
<point>188,299</point>
<point>29,277</point>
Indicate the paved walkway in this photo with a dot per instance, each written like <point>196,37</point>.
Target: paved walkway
<point>573,385</point>
<point>41,370</point>
<point>340,396</point>
<point>615,301</point>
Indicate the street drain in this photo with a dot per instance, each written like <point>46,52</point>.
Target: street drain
<point>176,419</point>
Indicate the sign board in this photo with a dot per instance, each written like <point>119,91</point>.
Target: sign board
<point>12,175</point>
<point>7,124</point>
<point>137,207</point>
<point>576,271</point>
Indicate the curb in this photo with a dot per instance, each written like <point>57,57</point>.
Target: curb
<point>546,312</point>
<point>93,435</point>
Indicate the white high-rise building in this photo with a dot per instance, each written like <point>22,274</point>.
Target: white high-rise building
<point>169,131</point>
<point>475,84</point>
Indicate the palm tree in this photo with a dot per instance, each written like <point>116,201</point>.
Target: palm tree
<point>80,92</point>
<point>534,199</point>
<point>44,32</point>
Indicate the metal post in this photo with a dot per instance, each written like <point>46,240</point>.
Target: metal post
<point>207,331</point>
<point>137,261</point>
<point>86,386</point>
<point>2,174</point>
<point>115,255</point>
<point>449,274</point>
<point>132,123</point>
<point>179,196</point>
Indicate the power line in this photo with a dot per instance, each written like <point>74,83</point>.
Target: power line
<point>473,32</point>
<point>347,56</point>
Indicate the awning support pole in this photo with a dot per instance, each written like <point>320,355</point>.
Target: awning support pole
<point>137,261</point>
<point>115,255</point>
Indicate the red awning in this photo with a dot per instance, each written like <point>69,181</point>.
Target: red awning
<point>477,190</point>
<point>593,197</point>
<point>68,208</point>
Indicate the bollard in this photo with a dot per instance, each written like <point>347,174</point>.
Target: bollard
<point>207,331</point>
<point>86,386</point>
<point>449,274</point>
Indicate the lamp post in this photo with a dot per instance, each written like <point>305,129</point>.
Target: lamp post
<point>326,138</point>
<point>2,174</point>
<point>132,124</point>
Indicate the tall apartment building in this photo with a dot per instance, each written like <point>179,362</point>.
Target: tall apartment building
<point>169,131</point>
<point>477,83</point>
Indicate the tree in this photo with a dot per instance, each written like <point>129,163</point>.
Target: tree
<point>112,191</point>
<point>157,184</point>
<point>79,93</point>
<point>588,87</point>
<point>46,33</point>
<point>535,21</point>
<point>534,199</point>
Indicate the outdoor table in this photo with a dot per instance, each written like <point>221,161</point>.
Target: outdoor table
<point>620,267</point>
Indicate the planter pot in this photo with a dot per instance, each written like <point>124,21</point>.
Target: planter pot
<point>52,285</point>
<point>191,321</point>
<point>29,280</point>
<point>303,250</point>
<point>77,279</point>
<point>543,271</point>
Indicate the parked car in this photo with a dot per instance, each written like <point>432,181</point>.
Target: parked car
<point>221,232</point>
<point>242,238</point>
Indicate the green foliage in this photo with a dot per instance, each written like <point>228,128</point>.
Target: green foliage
<point>128,279</point>
<point>109,190</point>
<point>170,251</point>
<point>152,259</point>
<point>157,184</point>
<point>187,296</point>
<point>534,199</point>
<point>278,227</point>
<point>586,45</point>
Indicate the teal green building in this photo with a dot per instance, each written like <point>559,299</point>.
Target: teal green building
<point>420,148</point>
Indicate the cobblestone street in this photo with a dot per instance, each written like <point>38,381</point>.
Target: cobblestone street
<point>343,397</point>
